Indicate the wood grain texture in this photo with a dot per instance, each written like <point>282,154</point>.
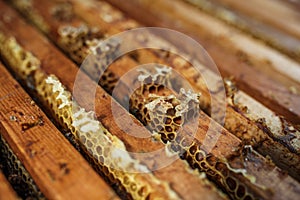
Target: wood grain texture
<point>286,18</point>
<point>292,4</point>
<point>102,103</point>
<point>240,124</point>
<point>6,191</point>
<point>272,36</point>
<point>270,89</point>
<point>57,168</point>
<point>67,71</point>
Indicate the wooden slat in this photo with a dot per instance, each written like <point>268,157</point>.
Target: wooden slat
<point>271,35</point>
<point>276,13</point>
<point>226,144</point>
<point>243,123</point>
<point>186,184</point>
<point>228,51</point>
<point>250,50</point>
<point>6,191</point>
<point>292,4</point>
<point>57,168</point>
<point>241,118</point>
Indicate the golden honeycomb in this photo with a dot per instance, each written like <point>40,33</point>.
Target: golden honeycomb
<point>107,153</point>
<point>87,47</point>
<point>165,114</point>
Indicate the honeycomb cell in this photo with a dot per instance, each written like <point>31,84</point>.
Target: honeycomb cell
<point>168,116</point>
<point>241,191</point>
<point>82,42</point>
<point>231,183</point>
<point>193,149</point>
<point>87,132</point>
<point>22,183</point>
<point>248,197</point>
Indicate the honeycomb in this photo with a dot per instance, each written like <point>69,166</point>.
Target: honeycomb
<point>166,115</point>
<point>76,41</point>
<point>106,152</point>
<point>23,59</point>
<point>86,46</point>
<point>17,174</point>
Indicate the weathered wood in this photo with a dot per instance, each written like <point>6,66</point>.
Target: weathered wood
<point>272,36</point>
<point>292,4</point>
<point>51,58</point>
<point>244,124</point>
<point>56,167</point>
<point>201,134</point>
<point>273,90</point>
<point>276,13</point>
<point>6,191</point>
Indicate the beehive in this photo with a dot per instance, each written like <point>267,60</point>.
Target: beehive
<point>159,140</point>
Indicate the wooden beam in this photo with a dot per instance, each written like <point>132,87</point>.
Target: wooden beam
<point>272,36</point>
<point>243,123</point>
<point>6,191</point>
<point>227,51</point>
<point>231,141</point>
<point>56,167</point>
<point>279,9</point>
<point>292,4</point>
<point>190,183</point>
